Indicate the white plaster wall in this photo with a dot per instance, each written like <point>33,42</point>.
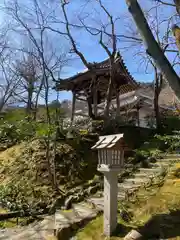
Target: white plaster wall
<point>143,113</point>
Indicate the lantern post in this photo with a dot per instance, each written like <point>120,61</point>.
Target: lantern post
<point>110,162</point>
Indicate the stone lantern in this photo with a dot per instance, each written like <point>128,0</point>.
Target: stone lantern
<point>110,162</point>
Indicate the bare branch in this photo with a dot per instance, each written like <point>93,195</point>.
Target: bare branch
<point>104,46</point>
<point>113,35</point>
<point>166,3</point>
<point>83,59</point>
<point>153,48</point>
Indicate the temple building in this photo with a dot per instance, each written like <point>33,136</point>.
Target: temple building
<point>91,85</point>
<point>135,100</point>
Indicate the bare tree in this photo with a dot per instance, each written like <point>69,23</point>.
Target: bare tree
<point>9,82</point>
<point>8,87</point>
<point>176,32</point>
<point>27,71</point>
<point>33,24</point>
<point>175,3</point>
<point>110,50</point>
<point>157,21</point>
<point>153,48</point>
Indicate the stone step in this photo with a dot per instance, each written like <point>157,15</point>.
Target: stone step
<point>153,165</point>
<point>168,160</point>
<point>39,230</point>
<point>77,216</point>
<point>171,156</point>
<point>61,219</point>
<point>79,211</point>
<point>155,170</point>
<point>83,210</point>
<point>97,202</point>
<point>127,186</point>
<point>159,164</point>
<point>145,175</point>
<point>32,234</point>
<point>6,234</point>
<point>121,195</point>
<point>136,180</point>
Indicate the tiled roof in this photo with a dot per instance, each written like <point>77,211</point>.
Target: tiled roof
<point>107,141</point>
<point>101,68</point>
<point>167,97</point>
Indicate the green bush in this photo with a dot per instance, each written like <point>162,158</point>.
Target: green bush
<point>141,155</point>
<point>170,122</point>
<point>23,196</point>
<point>19,131</point>
<point>8,132</point>
<point>170,142</point>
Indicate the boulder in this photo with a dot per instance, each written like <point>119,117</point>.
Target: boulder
<point>93,189</point>
<point>64,232</point>
<point>68,202</point>
<point>125,215</point>
<point>133,235</point>
<point>57,203</point>
<point>151,159</point>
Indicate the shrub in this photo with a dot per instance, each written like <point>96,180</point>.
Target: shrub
<point>19,131</point>
<point>170,121</point>
<point>141,155</point>
<point>8,132</point>
<point>155,153</point>
<point>170,142</point>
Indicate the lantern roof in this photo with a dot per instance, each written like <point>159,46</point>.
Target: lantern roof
<point>108,141</point>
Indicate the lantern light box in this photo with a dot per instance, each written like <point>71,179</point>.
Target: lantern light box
<point>111,151</point>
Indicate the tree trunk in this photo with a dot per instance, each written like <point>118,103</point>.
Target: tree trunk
<point>153,49</point>
<point>177,3</point>
<point>90,110</point>
<point>36,101</point>
<point>30,90</point>
<point>109,90</point>
<point>108,98</point>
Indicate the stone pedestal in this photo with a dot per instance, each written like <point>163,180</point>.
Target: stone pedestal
<point>110,199</point>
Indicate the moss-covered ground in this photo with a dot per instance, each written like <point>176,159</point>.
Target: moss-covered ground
<point>156,212</point>
<point>25,180</point>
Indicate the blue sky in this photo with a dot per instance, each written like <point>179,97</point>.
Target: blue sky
<point>94,52</point>
<point>90,47</point>
<point>89,44</point>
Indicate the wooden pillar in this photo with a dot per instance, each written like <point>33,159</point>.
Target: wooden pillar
<point>89,103</point>
<point>138,120</point>
<point>117,103</point>
<point>95,100</point>
<point>73,107</point>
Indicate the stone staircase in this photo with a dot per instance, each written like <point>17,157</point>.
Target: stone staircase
<point>141,178</point>
<point>62,223</point>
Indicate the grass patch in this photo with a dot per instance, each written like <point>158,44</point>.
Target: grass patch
<point>13,222</point>
<point>156,212</point>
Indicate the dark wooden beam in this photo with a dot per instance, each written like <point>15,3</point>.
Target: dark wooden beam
<point>73,107</point>
<point>95,100</point>
<point>117,103</point>
<point>81,99</point>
